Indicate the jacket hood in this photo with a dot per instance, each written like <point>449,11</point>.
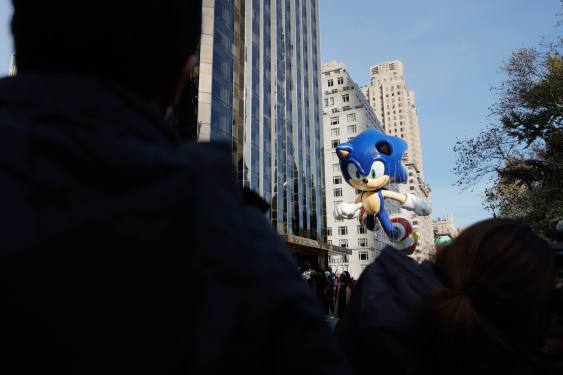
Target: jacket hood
<point>74,148</point>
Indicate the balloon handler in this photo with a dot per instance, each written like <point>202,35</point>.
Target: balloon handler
<point>369,162</point>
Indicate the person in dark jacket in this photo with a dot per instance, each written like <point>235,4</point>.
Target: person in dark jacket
<point>343,293</point>
<point>482,308</point>
<point>123,250</point>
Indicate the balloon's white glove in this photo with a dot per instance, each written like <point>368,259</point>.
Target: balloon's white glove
<point>347,210</point>
<point>419,206</point>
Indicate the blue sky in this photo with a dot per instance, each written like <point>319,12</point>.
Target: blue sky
<point>5,36</point>
<point>451,50</point>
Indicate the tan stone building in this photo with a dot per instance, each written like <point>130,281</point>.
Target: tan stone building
<point>444,226</point>
<point>395,106</point>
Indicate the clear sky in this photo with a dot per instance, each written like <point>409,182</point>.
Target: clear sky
<point>451,50</point>
<point>6,47</point>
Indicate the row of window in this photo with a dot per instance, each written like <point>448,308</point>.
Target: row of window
<point>381,98</point>
<point>335,142</point>
<point>393,93</point>
<point>340,81</point>
<point>343,230</point>
<point>362,255</point>
<point>333,259</point>
<point>335,120</point>
<point>394,112</point>
<point>350,129</point>
<point>392,87</point>
<point>345,99</point>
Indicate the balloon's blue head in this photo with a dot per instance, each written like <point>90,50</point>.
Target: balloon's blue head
<point>372,160</point>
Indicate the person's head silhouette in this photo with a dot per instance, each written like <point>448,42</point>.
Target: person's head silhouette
<point>146,46</point>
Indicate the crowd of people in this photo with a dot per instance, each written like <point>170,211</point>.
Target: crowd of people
<point>333,289</point>
<point>126,250</point>
<point>491,302</point>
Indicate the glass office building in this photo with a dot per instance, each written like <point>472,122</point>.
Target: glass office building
<point>258,89</point>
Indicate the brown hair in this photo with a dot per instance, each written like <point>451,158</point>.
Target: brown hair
<point>499,272</point>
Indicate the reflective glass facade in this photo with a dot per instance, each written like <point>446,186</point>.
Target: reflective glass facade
<point>265,99</point>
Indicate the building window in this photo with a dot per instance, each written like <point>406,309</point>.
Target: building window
<point>343,230</point>
<point>337,192</point>
<point>326,102</point>
<point>337,180</point>
<point>351,117</point>
<point>335,120</point>
<point>361,229</point>
<point>345,98</point>
<point>331,101</point>
<point>329,242</point>
<point>330,82</point>
<point>411,187</point>
<point>351,129</point>
<point>329,231</point>
<point>363,255</point>
<point>335,132</point>
<point>362,242</point>
<point>344,243</point>
<point>415,222</point>
<point>336,167</point>
<point>334,143</point>
<point>340,80</point>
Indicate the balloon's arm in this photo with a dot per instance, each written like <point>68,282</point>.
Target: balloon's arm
<point>346,210</point>
<point>358,198</point>
<point>400,197</point>
<point>410,202</point>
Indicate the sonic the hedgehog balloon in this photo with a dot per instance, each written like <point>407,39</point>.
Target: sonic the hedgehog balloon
<point>369,162</point>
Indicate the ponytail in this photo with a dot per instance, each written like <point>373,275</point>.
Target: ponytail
<point>453,325</point>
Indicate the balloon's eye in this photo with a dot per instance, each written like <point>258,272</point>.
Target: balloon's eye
<point>377,169</point>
